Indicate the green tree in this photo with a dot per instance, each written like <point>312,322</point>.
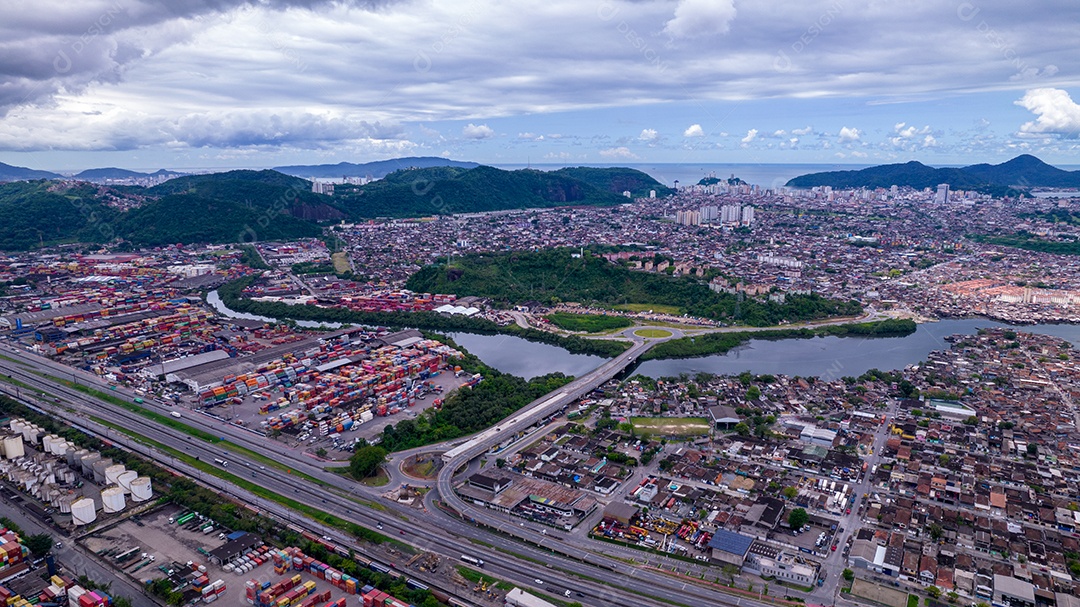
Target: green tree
<point>848,574</point>
<point>906,388</point>
<point>366,461</point>
<point>934,592</point>
<point>797,518</point>
<point>935,531</point>
<point>791,492</point>
<point>753,393</point>
<point>730,571</point>
<point>39,544</point>
<point>742,429</point>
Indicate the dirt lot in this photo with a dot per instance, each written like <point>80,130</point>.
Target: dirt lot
<point>173,544</point>
<point>167,543</point>
<point>879,594</point>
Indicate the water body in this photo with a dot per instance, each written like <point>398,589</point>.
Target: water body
<point>525,358</point>
<point>766,175</point>
<point>1057,194</point>
<point>215,302</point>
<point>835,357</point>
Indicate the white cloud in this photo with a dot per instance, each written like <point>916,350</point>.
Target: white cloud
<point>929,141</point>
<point>477,131</point>
<point>858,154</point>
<point>1056,113</point>
<point>848,134</point>
<point>622,153</point>
<point>794,141</point>
<point>696,18</point>
<point>694,130</point>
<point>648,135</point>
<point>803,131</point>
<point>780,133</point>
<point>750,136</point>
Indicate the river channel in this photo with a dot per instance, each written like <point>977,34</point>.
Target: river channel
<point>825,357</point>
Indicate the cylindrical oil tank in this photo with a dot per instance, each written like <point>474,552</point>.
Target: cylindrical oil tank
<point>13,446</point>
<point>113,472</point>
<point>112,500</point>
<point>140,489</point>
<point>83,512</point>
<point>65,503</point>
<point>125,478</point>
<point>88,462</point>
<point>99,469</point>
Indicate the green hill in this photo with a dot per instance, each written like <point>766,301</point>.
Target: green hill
<point>235,205</point>
<point>205,208</point>
<point>180,218</point>
<point>547,276</point>
<point>258,190</point>
<point>618,180</point>
<point>447,190</point>
<point>35,213</point>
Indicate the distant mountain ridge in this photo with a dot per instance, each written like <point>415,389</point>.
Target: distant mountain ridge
<point>246,205</point>
<point>377,169</point>
<point>1024,171</point>
<point>115,173</point>
<point>447,190</point>
<point>14,173</point>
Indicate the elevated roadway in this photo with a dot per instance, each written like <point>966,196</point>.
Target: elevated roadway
<point>542,557</point>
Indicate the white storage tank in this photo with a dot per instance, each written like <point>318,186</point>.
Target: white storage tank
<point>140,489</point>
<point>59,446</point>
<point>16,425</point>
<point>46,443</point>
<point>125,478</point>
<point>13,446</point>
<point>99,469</point>
<point>113,472</point>
<point>65,503</point>
<point>76,461</point>
<point>87,463</point>
<point>83,512</point>
<point>112,500</point>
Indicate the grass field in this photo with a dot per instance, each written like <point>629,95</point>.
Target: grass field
<point>589,323</point>
<point>671,426</point>
<point>652,333</point>
<point>658,308</point>
<point>341,263</point>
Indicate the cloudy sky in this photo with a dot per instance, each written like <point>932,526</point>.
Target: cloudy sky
<point>235,83</point>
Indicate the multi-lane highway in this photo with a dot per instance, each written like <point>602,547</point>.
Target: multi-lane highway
<point>432,530</point>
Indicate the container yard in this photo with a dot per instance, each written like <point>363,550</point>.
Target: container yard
<point>322,391</point>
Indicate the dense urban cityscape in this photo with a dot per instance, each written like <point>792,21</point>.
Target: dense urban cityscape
<point>948,479</point>
<point>430,303</point>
